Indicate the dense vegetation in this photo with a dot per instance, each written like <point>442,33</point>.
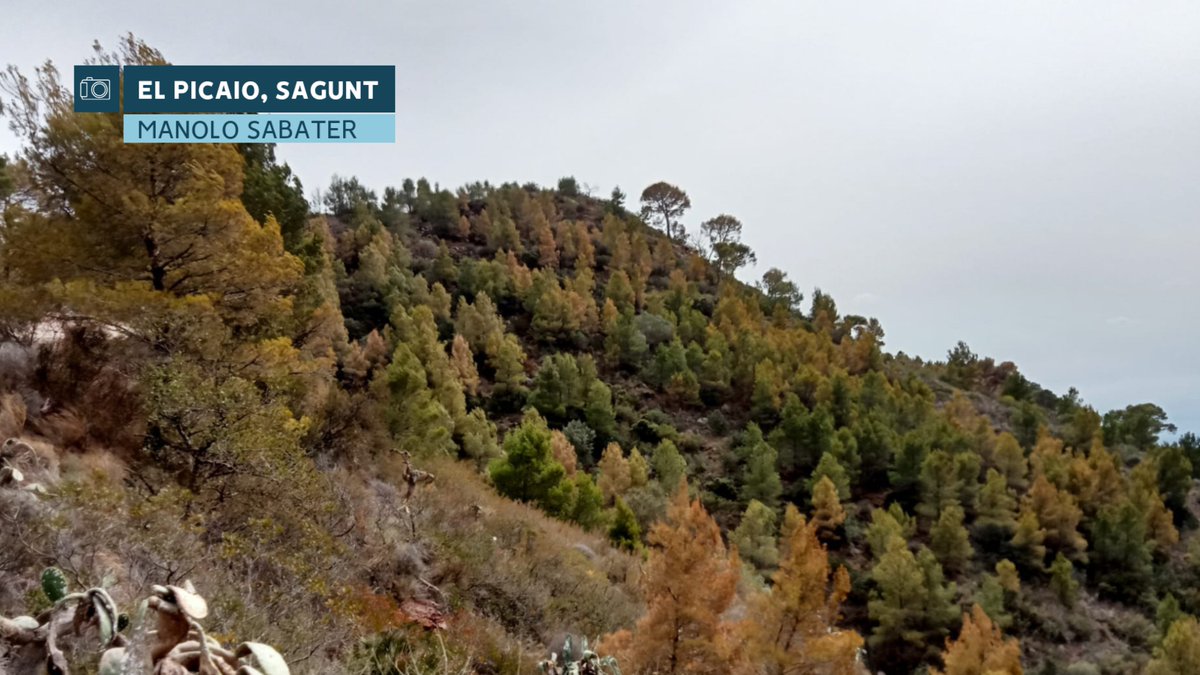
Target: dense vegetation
<point>216,380</point>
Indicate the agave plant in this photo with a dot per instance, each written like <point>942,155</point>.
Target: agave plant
<point>33,642</point>
<point>180,645</point>
<point>578,660</point>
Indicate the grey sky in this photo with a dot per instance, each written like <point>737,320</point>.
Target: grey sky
<point>1019,175</point>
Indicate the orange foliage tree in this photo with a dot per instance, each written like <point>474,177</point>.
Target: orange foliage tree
<point>791,629</point>
<point>690,581</point>
<point>981,649</point>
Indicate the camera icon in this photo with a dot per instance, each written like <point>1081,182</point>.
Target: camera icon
<point>95,89</point>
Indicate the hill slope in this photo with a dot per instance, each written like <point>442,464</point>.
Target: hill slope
<point>324,416</point>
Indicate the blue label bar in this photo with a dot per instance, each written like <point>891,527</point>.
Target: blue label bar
<point>260,128</point>
<point>246,89</point>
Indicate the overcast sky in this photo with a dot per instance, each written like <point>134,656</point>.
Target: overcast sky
<point>1019,175</point>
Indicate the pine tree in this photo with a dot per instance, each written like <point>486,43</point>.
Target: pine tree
<point>828,513</point>
<point>755,536</point>
<point>793,629</point>
<point>766,399</point>
<point>1058,515</point>
<point>884,530</point>
<point>507,358</point>
<point>598,410</point>
<point>1108,483</point>
<point>124,233</point>
<point>559,388</point>
<point>1006,572</point>
<point>563,452</point>
<point>1180,650</point>
<point>844,449</point>
<point>1009,459</point>
<point>565,234</point>
<point>583,439</point>
<point>587,508</point>
<point>669,360</point>
<point>625,532</point>
<point>444,270</point>
<point>615,478</point>
<point>1051,459</point>
<point>417,420</point>
<point>1029,539</point>
<point>940,484</point>
<point>830,467</point>
<point>440,302</point>
<point>760,478</point>
<point>912,608</point>
<point>419,330</point>
<point>478,438</point>
<point>689,583</point>
<point>609,314</point>
<point>684,388</point>
<point>1062,581</point>
<point>639,469</point>
<point>625,345</point>
<point>997,511</point>
<point>981,649</point>
<point>620,291</point>
<point>586,251</point>
<point>1120,559</point>
<point>528,471</point>
<point>478,323</point>
<point>1143,491</point>
<point>554,316</point>
<point>669,466</point>
<point>1166,614</point>
<point>949,540</point>
<point>504,235</point>
<point>547,248</point>
<point>464,364</point>
<point>990,596</point>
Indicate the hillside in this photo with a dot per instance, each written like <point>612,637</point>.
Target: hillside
<point>425,430</point>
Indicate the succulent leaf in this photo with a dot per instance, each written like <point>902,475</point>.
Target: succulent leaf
<point>269,660</point>
<point>54,584</point>
<point>104,621</point>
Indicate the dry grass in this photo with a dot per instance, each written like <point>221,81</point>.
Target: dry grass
<point>538,577</point>
<point>509,579</point>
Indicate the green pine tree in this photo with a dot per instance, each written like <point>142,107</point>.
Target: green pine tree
<point>760,478</point>
<point>756,536</point>
<point>528,471</point>
<point>625,533</point>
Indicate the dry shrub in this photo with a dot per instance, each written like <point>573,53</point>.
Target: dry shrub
<point>114,418</point>
<point>92,399</point>
<point>518,567</point>
<point>16,366</point>
<point>22,515</point>
<point>102,534</point>
<point>12,414</point>
<point>100,465</point>
<point>64,427</point>
<point>470,645</point>
<point>509,578</point>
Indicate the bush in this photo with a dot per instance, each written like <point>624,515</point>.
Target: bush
<point>583,439</point>
<point>656,329</point>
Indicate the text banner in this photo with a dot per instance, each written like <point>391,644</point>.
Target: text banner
<point>260,128</point>
<point>252,89</point>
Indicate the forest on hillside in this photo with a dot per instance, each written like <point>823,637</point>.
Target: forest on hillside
<point>430,430</point>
